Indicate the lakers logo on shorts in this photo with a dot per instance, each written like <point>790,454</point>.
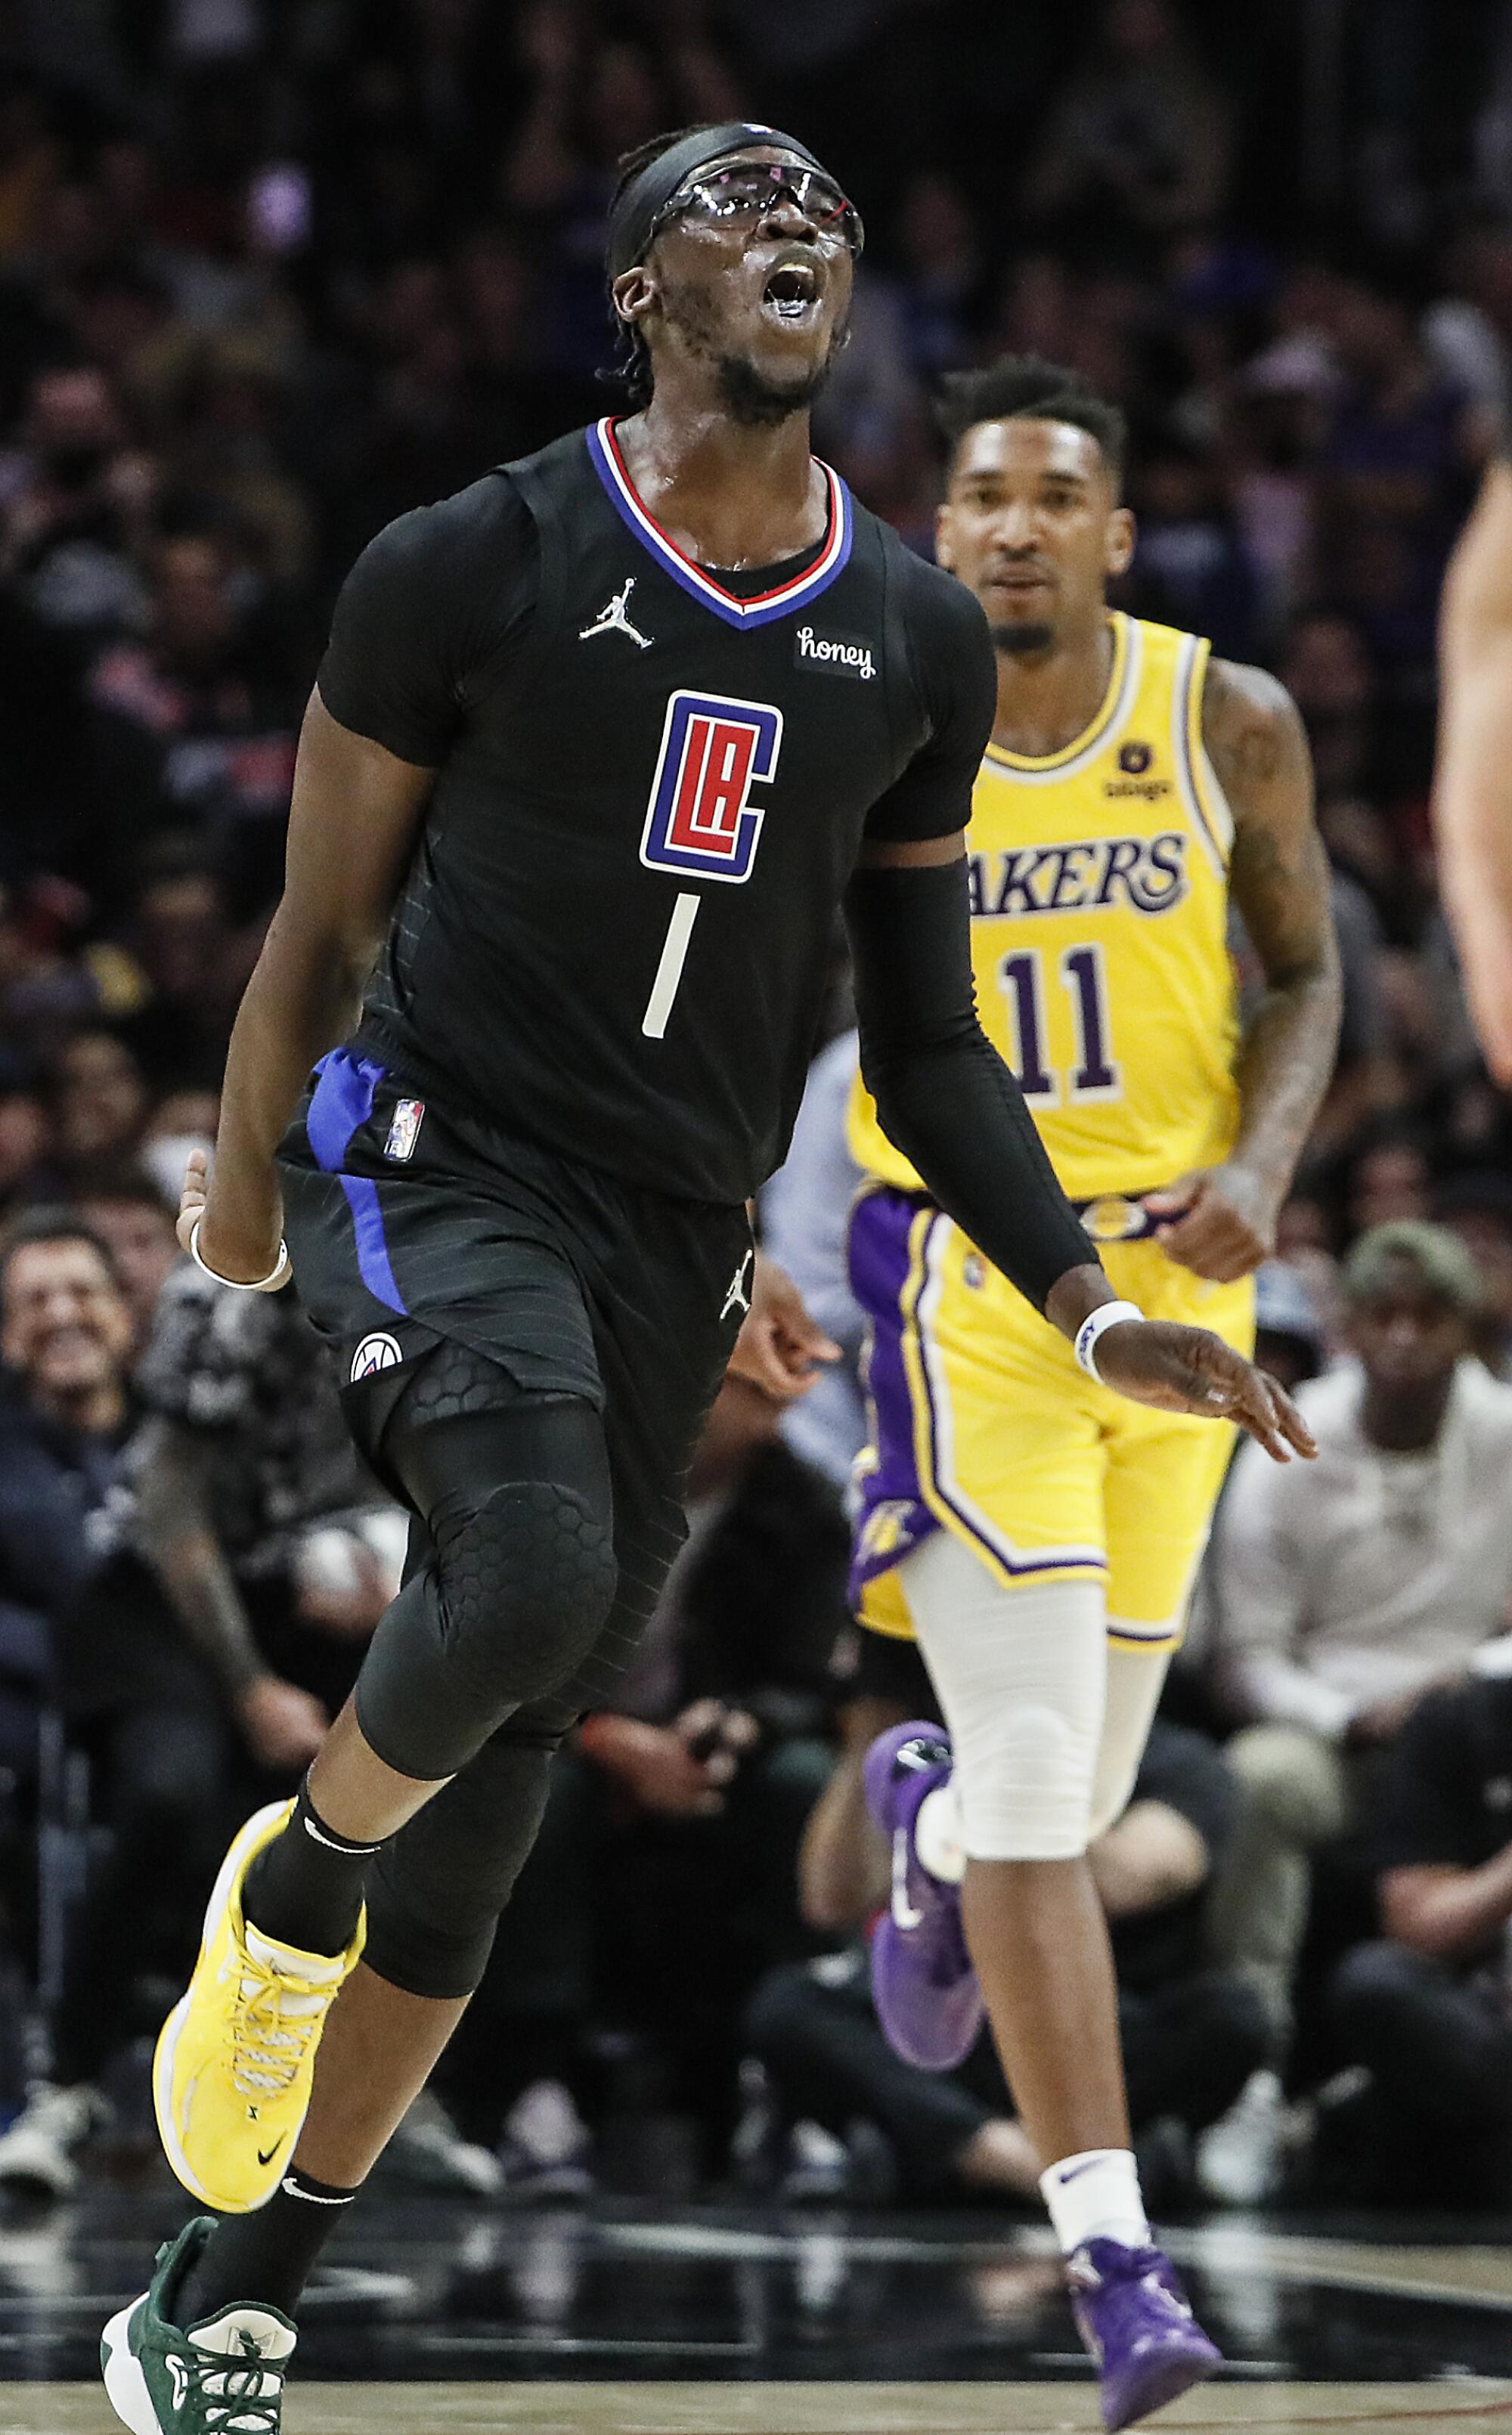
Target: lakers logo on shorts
<point>1113,1219</point>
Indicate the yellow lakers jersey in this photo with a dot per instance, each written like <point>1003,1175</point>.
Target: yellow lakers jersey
<point>1099,934</point>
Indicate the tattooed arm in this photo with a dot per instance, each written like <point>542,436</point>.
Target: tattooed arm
<point>1222,1222</point>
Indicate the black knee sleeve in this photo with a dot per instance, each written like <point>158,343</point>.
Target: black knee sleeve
<point>435,1892</point>
<point>516,1595</point>
<point>520,1582</point>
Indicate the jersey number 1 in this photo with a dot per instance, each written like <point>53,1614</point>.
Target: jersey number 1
<point>1095,1076</point>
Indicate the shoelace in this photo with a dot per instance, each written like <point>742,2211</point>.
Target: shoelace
<point>275,2020</point>
<point>243,2399</point>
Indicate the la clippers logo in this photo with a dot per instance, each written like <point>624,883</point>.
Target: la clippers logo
<point>701,817</point>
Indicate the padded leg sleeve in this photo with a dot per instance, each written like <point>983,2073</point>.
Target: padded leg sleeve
<point>517,1584</point>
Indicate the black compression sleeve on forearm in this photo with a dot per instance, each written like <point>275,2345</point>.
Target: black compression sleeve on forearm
<point>944,1095</point>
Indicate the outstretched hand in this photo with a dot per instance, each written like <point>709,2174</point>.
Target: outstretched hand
<point>1190,1369</point>
<point>779,1345</point>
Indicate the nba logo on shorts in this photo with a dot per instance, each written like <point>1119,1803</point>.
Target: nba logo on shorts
<point>404,1130</point>
<point>701,817</point>
<point>375,1353</point>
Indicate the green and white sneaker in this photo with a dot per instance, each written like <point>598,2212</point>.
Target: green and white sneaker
<point>222,2376</point>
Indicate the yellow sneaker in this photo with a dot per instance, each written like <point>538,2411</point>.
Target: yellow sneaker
<point>231,2081</point>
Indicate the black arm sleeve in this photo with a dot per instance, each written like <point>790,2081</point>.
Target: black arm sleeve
<point>943,1094</point>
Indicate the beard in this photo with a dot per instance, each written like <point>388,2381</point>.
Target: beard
<point>1023,642</point>
<point>751,396</point>
<point>758,402</point>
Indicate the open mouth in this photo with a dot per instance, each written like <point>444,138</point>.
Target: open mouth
<point>792,291</point>
<point>65,1344</point>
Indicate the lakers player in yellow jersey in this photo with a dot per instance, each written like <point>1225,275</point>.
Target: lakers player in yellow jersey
<point>1037,1532</point>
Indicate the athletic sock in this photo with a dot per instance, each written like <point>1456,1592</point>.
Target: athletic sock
<point>305,1887</point>
<point>263,2259</point>
<point>1096,2196</point>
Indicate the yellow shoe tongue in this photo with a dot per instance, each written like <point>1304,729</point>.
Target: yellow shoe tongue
<point>289,1962</point>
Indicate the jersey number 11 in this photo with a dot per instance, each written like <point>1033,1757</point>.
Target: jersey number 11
<point>1096,1076</point>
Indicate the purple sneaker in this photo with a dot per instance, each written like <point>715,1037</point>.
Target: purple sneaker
<point>1134,2318</point>
<point>925,1988</point>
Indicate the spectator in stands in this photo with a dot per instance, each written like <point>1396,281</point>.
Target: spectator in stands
<point>185,956</point>
<point>1477,1206</point>
<point>1389,1180</point>
<point>1347,1589</point>
<point>207,684</point>
<point>1428,2010</point>
<point>74,505</point>
<point>26,1137</point>
<point>99,1100</point>
<point>941,270</point>
<point>44,990</point>
<point>1396,466</point>
<point>127,1210</point>
<point>1328,670</point>
<point>1139,137</point>
<point>1191,566</point>
<point>67,1336</point>
<point>243,1458</point>
<point>65,1333</point>
<point>1191,2035</point>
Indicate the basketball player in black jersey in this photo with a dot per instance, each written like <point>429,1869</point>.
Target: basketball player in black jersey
<point>598,749</point>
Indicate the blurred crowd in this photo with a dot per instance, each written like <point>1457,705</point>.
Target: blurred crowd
<point>272,271</point>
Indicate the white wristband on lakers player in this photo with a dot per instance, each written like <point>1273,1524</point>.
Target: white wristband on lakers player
<point>278,1275</point>
<point>1106,1315</point>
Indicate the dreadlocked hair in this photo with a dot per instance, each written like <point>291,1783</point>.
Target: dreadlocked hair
<point>1025,386</point>
<point>632,368</point>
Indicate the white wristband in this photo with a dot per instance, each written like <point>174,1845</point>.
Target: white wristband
<point>278,1275</point>
<point>1108,1314</point>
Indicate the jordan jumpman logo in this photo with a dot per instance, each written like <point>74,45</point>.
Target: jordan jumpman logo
<point>611,619</point>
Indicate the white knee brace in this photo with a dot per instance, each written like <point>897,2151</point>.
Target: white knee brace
<point>1020,1675</point>
<point>1049,1724</point>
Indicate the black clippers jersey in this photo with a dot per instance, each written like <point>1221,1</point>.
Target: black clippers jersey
<point>616,932</point>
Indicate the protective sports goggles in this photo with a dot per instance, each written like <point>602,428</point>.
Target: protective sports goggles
<point>748,189</point>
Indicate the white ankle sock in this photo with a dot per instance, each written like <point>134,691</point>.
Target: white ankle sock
<point>937,1834</point>
<point>1095,2196</point>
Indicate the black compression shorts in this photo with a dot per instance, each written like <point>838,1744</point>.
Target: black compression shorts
<point>405,1235</point>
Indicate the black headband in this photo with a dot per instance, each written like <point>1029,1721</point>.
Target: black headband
<point>630,222</point>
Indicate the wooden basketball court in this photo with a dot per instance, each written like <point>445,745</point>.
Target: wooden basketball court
<point>436,2317</point>
<point>798,2408</point>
